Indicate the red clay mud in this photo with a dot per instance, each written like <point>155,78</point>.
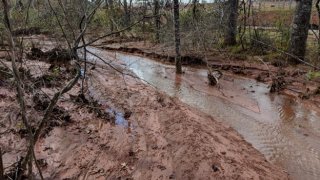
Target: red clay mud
<point>296,82</point>
<point>153,137</point>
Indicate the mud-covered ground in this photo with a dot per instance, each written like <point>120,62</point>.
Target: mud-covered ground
<point>290,80</point>
<point>125,129</point>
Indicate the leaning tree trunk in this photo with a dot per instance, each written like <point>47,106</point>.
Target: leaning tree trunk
<point>299,30</point>
<point>231,22</point>
<point>177,35</point>
<point>157,20</point>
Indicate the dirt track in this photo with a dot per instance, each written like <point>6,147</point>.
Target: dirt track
<point>154,137</point>
<point>163,139</point>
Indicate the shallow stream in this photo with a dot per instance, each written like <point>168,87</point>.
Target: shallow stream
<point>285,129</point>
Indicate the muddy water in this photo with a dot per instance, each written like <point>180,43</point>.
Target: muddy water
<point>284,129</point>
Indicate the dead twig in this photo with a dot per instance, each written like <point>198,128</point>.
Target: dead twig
<point>48,111</point>
<point>37,165</point>
<point>119,71</point>
<point>286,53</point>
<point>1,166</point>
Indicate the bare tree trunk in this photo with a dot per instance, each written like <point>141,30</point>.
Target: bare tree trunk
<point>242,32</point>
<point>111,11</point>
<point>157,20</point>
<point>144,12</point>
<point>18,82</point>
<point>231,23</point>
<point>106,4</point>
<point>129,12</point>
<point>194,9</point>
<point>177,35</point>
<point>318,10</point>
<point>299,30</point>
<point>126,13</point>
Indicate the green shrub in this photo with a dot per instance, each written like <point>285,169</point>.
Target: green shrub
<point>313,74</point>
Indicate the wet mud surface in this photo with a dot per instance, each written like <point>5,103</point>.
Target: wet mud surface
<point>152,124</point>
<point>284,128</point>
<point>145,135</point>
<point>294,81</point>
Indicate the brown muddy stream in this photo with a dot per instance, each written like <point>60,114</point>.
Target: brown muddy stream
<point>286,130</point>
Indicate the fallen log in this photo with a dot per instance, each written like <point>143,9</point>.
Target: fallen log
<point>26,31</point>
<point>55,56</point>
<point>51,55</point>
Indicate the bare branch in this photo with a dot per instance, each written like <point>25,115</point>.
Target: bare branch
<point>1,166</point>
<point>117,70</point>
<point>286,53</point>
<point>115,32</point>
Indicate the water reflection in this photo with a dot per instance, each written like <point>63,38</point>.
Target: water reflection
<point>285,130</point>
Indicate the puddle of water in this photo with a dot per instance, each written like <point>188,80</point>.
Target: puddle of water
<point>285,130</point>
<point>119,118</point>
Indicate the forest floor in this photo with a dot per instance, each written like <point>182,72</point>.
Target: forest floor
<point>122,129</point>
<point>289,80</point>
